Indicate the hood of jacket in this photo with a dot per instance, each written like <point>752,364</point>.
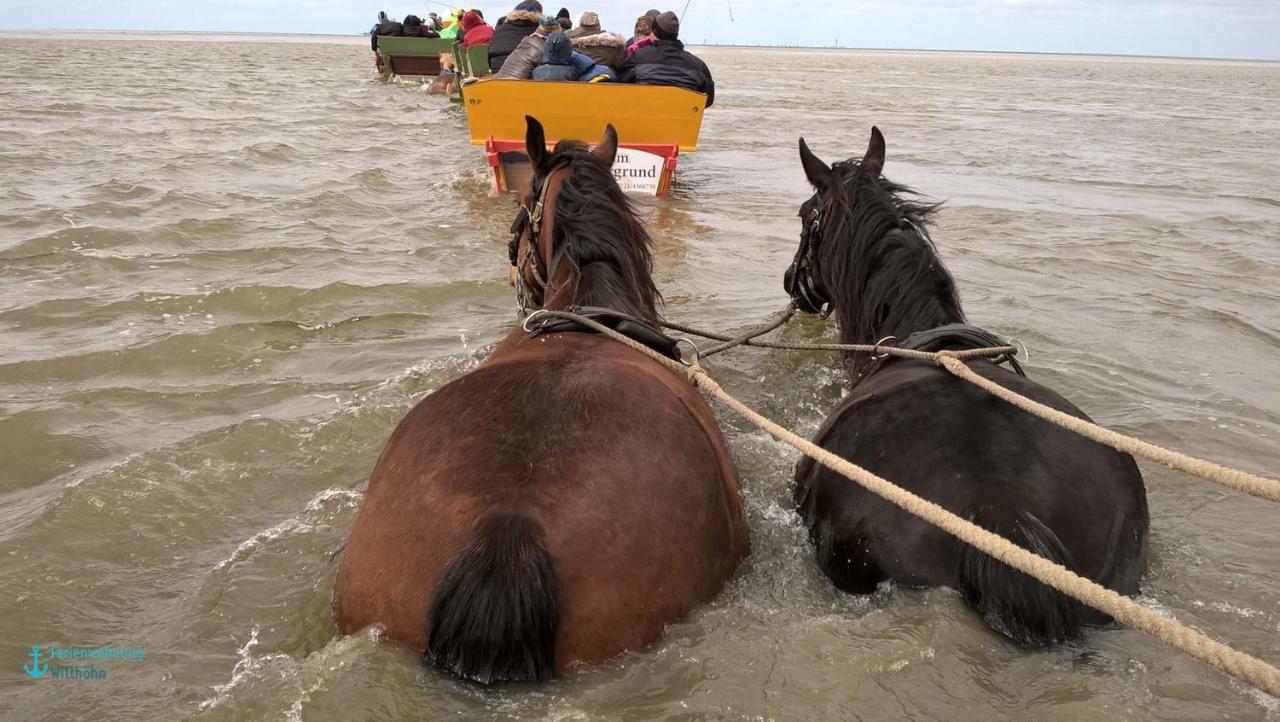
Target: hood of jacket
<point>557,50</point>
<point>471,20</point>
<point>600,40</point>
<point>523,16</point>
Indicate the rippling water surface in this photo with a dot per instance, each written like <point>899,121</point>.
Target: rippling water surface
<point>229,266</point>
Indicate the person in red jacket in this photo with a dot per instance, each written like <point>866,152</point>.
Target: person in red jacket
<point>475,31</point>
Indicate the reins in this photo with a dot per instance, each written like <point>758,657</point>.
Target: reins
<point>1165,628</point>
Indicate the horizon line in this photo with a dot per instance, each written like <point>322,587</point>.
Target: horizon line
<point>117,31</point>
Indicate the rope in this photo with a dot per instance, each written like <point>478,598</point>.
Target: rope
<point>732,341</point>
<point>1253,484</point>
<point>750,339</point>
<point>1195,644</point>
<point>1242,481</point>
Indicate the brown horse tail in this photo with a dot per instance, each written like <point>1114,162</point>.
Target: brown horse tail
<point>1011,602</point>
<point>494,614</point>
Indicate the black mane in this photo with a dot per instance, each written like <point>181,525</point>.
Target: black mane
<point>607,247</point>
<point>879,263</point>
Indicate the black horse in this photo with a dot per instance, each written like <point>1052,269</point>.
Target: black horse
<point>866,255</point>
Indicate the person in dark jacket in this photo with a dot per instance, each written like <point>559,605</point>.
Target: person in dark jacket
<point>385,26</point>
<point>415,28</point>
<point>520,63</point>
<point>557,55</point>
<point>519,24</point>
<point>666,62</point>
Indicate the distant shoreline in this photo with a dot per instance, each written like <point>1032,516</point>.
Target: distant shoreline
<point>357,37</point>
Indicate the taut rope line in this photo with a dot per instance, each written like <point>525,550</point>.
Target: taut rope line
<point>1253,484</point>
<point>1242,481</point>
<point>1242,666</point>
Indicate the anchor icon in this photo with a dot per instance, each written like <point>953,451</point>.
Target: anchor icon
<point>34,669</point>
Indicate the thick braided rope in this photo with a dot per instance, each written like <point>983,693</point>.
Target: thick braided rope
<point>749,339</point>
<point>1242,481</point>
<point>1253,484</point>
<point>1245,667</point>
<point>745,337</point>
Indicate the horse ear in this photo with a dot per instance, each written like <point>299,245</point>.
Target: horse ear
<point>607,149</point>
<point>873,161</point>
<point>535,143</point>
<point>818,172</point>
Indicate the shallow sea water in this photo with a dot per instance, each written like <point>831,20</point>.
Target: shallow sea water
<point>228,266</point>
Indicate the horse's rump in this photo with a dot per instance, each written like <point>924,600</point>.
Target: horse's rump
<point>606,450</point>
<point>1044,488</point>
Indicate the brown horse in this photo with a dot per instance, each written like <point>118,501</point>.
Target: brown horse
<point>568,498</point>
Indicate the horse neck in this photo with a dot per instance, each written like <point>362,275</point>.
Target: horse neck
<point>598,283</point>
<point>602,258</point>
<point>888,281</point>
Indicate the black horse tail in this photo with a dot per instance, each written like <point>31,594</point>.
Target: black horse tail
<point>494,614</point>
<point>1011,602</point>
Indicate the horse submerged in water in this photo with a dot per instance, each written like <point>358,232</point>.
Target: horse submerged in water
<point>866,255</point>
<point>568,498</point>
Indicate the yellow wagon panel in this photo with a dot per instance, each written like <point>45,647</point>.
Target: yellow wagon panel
<point>642,114</point>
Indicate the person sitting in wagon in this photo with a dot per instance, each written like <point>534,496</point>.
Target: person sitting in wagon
<point>415,28</point>
<point>514,27</point>
<point>666,62</point>
<point>520,63</point>
<point>643,36</point>
<point>557,53</point>
<point>474,30</point>
<point>590,39</point>
<point>643,28</point>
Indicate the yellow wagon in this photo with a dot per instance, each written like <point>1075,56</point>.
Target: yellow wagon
<point>654,124</point>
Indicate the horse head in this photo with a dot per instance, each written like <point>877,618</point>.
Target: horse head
<point>576,239</point>
<point>865,252</point>
<point>803,279</point>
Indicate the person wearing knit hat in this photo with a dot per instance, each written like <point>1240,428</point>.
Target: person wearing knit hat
<point>666,62</point>
<point>515,27</point>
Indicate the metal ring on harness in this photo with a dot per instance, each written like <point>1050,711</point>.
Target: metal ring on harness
<point>1026,354</point>
<point>697,353</point>
<point>530,318</point>
<point>880,343</point>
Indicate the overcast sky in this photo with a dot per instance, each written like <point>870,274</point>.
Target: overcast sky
<point>1225,29</point>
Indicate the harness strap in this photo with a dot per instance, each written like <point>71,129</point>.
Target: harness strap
<point>636,329</point>
<point>954,336</point>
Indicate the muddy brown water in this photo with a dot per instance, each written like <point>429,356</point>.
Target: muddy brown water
<point>228,267</point>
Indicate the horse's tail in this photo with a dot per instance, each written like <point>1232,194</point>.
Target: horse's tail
<point>494,614</point>
<point>1011,602</point>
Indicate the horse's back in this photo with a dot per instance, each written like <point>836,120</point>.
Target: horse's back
<point>950,442</point>
<point>618,461</point>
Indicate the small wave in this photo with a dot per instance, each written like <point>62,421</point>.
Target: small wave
<point>309,521</point>
<point>282,152</point>
<point>323,667</point>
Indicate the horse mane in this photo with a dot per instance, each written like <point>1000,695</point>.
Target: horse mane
<point>605,244</point>
<point>878,262</point>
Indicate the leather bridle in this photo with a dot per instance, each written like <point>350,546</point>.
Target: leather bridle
<point>800,280</point>
<point>531,280</point>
